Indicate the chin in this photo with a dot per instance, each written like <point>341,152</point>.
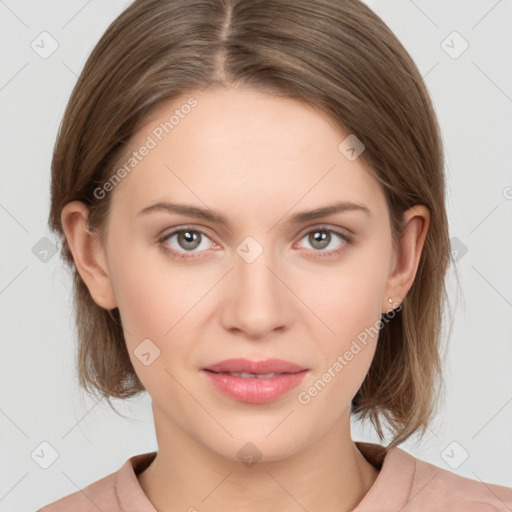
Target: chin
<point>254,447</point>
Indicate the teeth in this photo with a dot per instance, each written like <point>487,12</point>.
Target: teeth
<point>246,375</point>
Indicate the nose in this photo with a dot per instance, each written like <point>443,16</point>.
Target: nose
<point>257,301</point>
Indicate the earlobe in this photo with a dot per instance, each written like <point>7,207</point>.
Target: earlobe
<point>88,254</point>
<point>416,225</point>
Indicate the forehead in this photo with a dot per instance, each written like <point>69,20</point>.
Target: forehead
<point>241,146</point>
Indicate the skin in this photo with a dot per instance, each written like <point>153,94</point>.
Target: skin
<point>257,159</point>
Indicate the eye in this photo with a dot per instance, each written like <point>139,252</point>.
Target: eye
<point>321,238</point>
<point>187,240</point>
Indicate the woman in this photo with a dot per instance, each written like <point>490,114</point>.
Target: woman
<point>251,197</point>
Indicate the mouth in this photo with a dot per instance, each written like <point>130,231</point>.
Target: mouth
<point>248,368</point>
<point>254,382</point>
<point>246,375</point>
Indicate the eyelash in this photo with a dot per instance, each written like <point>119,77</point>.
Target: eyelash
<point>177,255</point>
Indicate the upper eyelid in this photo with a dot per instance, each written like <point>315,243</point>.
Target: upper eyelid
<point>325,227</point>
<point>175,231</point>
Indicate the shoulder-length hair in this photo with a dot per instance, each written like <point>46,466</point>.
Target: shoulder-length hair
<point>336,55</point>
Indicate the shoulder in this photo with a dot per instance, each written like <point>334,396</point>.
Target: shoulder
<point>409,484</point>
<point>99,495</point>
<point>435,488</point>
<point>115,492</point>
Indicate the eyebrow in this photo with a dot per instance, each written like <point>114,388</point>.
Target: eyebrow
<point>216,217</point>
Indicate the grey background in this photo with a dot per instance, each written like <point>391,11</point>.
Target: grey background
<point>39,398</point>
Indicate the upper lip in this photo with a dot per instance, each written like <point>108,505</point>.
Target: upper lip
<point>249,366</point>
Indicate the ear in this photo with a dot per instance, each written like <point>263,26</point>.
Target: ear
<point>406,259</point>
<point>88,254</point>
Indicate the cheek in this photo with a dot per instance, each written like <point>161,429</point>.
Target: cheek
<point>347,298</point>
<point>151,308</point>
<point>150,295</point>
<point>140,301</point>
<point>160,302</point>
<point>346,340</point>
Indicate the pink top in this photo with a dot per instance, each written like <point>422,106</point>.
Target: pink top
<point>404,484</point>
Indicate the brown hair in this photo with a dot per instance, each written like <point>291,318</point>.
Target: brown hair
<point>336,55</point>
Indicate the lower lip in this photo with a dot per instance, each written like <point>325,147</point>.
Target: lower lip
<point>254,390</point>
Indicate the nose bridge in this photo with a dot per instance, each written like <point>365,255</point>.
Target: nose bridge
<point>252,267</point>
<point>258,301</point>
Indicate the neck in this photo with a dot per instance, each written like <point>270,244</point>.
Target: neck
<point>330,474</point>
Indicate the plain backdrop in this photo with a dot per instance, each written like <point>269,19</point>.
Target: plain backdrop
<point>462,48</point>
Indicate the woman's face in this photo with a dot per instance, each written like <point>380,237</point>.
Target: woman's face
<point>266,283</point>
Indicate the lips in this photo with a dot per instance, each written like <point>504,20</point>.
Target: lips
<point>255,382</point>
<point>247,375</point>
<point>259,368</point>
